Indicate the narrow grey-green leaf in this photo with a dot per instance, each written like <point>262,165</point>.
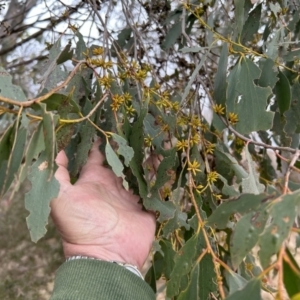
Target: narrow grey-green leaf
<point>282,216</point>
<point>269,71</point>
<point>115,163</point>
<point>251,25</point>
<point>49,122</point>
<point>162,176</point>
<point>52,74</point>
<point>86,133</point>
<point>228,190</point>
<point>172,36</point>
<point>193,76</point>
<point>124,149</point>
<point>239,15</point>
<point>43,189</point>
<point>15,159</point>
<point>192,290</point>
<point>35,146</point>
<point>220,87</point>
<point>184,260</point>
<point>166,209</point>
<point>283,93</point>
<point>226,160</point>
<point>191,49</point>
<point>252,290</point>
<point>292,116</point>
<point>8,89</point>
<point>220,84</point>
<point>291,275</point>
<point>234,281</point>
<point>246,234</point>
<point>245,203</point>
<point>6,142</point>
<point>251,184</point>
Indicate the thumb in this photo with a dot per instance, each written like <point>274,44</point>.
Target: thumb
<point>62,174</point>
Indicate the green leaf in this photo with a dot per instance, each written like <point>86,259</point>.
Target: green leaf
<point>49,122</point>
<point>115,163</point>
<point>124,149</point>
<point>269,71</point>
<point>272,45</point>
<point>246,234</point>
<point>251,25</point>
<point>248,100</point>
<point>179,220</point>
<point>15,159</point>
<point>228,162</point>
<point>86,133</point>
<point>202,277</point>
<point>220,86</point>
<point>172,36</point>
<point>80,46</point>
<point>150,278</point>
<point>191,49</point>
<point>227,189</point>
<point>166,209</point>
<point>282,215</point>
<point>194,74</point>
<point>65,55</point>
<point>6,142</point>
<point>291,275</point>
<point>244,204</point>
<point>234,281</point>
<point>184,260</point>
<point>44,189</point>
<point>168,258</point>
<point>251,184</point>
<point>239,14</point>
<point>52,73</point>
<point>292,116</point>
<point>207,276</point>
<point>162,176</point>
<point>8,89</point>
<point>252,289</point>
<point>283,93</point>
<point>35,146</point>
<point>64,104</point>
<point>192,291</point>
<point>292,55</point>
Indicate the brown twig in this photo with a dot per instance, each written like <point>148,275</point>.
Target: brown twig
<point>288,161</point>
<point>288,172</point>
<point>280,273</point>
<point>45,96</point>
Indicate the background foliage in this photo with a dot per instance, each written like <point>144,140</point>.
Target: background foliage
<point>197,104</point>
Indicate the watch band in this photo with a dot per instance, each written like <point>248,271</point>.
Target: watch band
<point>132,268</point>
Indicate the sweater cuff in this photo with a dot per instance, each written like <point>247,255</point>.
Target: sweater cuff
<point>92,279</point>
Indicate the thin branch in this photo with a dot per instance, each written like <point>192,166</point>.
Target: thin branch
<point>288,172</point>
<point>88,115</point>
<point>26,62</point>
<point>45,96</point>
<point>287,161</point>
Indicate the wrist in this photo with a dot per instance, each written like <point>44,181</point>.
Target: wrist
<point>99,253</point>
<point>132,268</point>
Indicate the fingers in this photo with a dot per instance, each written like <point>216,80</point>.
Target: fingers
<point>62,174</point>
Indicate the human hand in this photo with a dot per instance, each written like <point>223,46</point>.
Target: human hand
<point>97,217</point>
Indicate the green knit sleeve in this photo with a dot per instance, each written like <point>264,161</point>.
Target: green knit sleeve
<point>86,279</point>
